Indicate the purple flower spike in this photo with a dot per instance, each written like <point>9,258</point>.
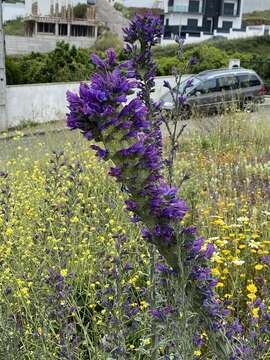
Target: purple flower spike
<point>97,60</point>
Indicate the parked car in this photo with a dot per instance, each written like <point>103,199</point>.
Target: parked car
<point>214,91</point>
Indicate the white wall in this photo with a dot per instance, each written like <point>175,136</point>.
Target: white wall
<point>41,103</point>
<point>237,21</point>
<point>182,18</point>
<point>251,31</point>
<point>19,45</point>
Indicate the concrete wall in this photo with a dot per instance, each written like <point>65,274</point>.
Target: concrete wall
<point>19,45</point>
<point>47,102</point>
<point>251,31</point>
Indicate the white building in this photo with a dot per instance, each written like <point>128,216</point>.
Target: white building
<point>194,17</point>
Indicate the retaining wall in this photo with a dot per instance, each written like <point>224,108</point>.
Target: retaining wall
<point>41,103</point>
<point>20,45</point>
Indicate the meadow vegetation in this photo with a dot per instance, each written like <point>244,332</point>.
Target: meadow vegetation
<point>68,250</point>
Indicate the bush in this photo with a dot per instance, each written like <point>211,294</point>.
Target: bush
<point>65,63</point>
<point>80,11</point>
<point>15,27</point>
<point>108,40</point>
<point>13,72</point>
<point>165,65</point>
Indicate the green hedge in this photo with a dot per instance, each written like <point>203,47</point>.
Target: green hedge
<point>66,63</point>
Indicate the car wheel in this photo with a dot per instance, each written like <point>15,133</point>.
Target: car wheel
<point>248,105</point>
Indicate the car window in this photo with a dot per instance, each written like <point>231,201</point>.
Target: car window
<point>187,86</point>
<point>228,83</point>
<point>244,81</point>
<point>207,86</point>
<point>248,80</point>
<point>254,81</point>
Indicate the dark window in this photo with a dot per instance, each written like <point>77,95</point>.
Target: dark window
<point>192,23</point>
<point>167,22</point>
<point>228,83</point>
<point>63,29</point>
<point>228,9</point>
<point>194,6</point>
<point>46,28</point>
<point>254,81</point>
<point>81,30</point>
<point>248,81</point>
<point>227,25</point>
<point>208,86</point>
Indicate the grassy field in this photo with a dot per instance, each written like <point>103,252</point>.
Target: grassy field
<point>71,259</point>
<point>15,27</point>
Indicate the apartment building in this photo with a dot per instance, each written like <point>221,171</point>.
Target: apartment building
<point>194,17</point>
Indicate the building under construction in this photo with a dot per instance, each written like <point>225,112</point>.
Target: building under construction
<point>59,18</point>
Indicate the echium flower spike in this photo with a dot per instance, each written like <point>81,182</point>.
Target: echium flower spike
<point>141,35</point>
<point>102,113</point>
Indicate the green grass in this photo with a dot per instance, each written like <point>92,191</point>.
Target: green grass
<point>15,27</point>
<point>257,17</point>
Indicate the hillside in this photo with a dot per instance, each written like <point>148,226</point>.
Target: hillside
<point>257,18</point>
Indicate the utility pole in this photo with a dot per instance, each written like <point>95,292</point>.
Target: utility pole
<point>3,94</point>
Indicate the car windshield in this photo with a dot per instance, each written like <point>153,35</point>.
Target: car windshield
<point>187,86</point>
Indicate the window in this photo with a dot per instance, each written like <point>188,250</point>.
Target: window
<point>81,30</point>
<point>192,23</point>
<point>227,25</point>
<point>228,83</point>
<point>63,29</point>
<point>189,85</point>
<point>194,6</point>
<point>46,28</point>
<point>248,81</point>
<point>167,22</point>
<point>254,81</point>
<point>228,9</point>
<point>208,86</point>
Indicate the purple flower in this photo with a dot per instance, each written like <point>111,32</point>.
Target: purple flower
<point>182,99</point>
<point>163,268</point>
<point>111,55</point>
<point>132,140</point>
<point>209,251</point>
<point>115,171</point>
<point>101,153</point>
<point>97,60</point>
<point>130,204</point>
<point>166,84</point>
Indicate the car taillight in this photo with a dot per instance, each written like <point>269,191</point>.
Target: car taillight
<point>263,90</point>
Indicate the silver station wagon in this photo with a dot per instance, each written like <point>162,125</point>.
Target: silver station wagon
<point>214,91</point>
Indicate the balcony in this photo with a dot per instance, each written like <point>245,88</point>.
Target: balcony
<point>194,7</point>
<point>178,8</point>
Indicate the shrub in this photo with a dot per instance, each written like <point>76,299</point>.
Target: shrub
<point>108,40</point>
<point>80,11</point>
